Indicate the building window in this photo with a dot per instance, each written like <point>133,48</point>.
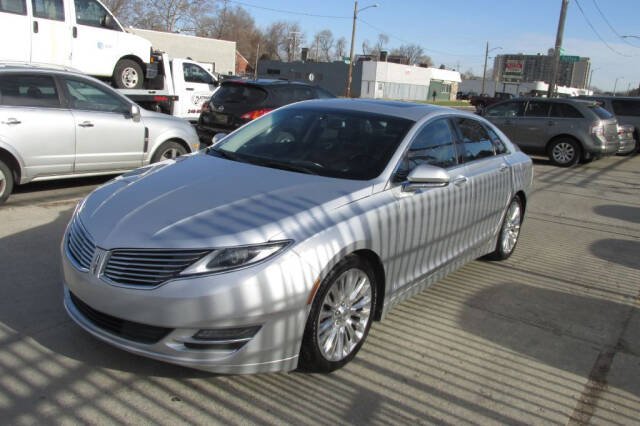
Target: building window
<point>273,71</point>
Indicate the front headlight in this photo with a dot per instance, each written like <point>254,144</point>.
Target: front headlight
<point>226,259</point>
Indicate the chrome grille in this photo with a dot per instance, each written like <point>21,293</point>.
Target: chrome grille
<point>80,246</point>
<point>148,268</point>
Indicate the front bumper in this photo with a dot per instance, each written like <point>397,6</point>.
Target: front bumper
<point>271,295</point>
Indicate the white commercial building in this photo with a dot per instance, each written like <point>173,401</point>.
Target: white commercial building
<point>407,82</point>
<point>221,54</point>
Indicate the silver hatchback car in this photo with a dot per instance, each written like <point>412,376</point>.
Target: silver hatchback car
<point>58,124</point>
<point>279,245</point>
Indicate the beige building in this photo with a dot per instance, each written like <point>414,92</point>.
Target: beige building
<point>220,53</point>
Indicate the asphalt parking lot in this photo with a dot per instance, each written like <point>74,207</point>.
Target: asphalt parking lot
<point>550,336</point>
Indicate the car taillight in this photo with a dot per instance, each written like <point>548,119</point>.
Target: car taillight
<point>597,130</point>
<point>204,106</point>
<point>252,115</point>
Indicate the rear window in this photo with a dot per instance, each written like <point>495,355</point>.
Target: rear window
<point>626,107</point>
<point>28,90</point>
<point>237,93</point>
<point>601,112</point>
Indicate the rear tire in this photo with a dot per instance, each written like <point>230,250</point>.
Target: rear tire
<point>128,74</point>
<point>167,151</point>
<point>340,317</point>
<point>6,182</point>
<point>564,152</point>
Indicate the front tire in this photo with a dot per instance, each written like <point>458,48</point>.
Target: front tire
<point>340,317</point>
<point>128,74</point>
<point>6,182</point>
<point>564,152</point>
<point>167,151</point>
<point>509,231</point>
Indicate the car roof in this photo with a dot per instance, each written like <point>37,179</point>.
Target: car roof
<point>39,68</point>
<point>580,101</point>
<point>264,82</point>
<point>626,98</point>
<point>409,110</point>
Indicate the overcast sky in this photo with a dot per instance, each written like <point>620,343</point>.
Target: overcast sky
<point>454,32</point>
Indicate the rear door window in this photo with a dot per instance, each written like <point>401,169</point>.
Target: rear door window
<point>14,6</point>
<point>303,93</point>
<point>506,109</point>
<point>561,110</point>
<point>238,93</point>
<point>323,94</point>
<point>626,107</point>
<point>498,144</point>
<point>537,109</point>
<point>476,143</point>
<point>283,95</point>
<point>29,91</point>
<point>48,9</point>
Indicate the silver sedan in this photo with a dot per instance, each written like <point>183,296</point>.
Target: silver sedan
<point>278,247</point>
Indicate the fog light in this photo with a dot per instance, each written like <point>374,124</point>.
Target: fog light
<point>225,334</point>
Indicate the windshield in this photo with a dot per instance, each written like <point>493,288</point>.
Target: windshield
<point>333,143</point>
<point>238,93</point>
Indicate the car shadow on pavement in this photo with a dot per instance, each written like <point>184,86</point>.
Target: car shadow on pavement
<point>626,213</point>
<point>622,252</point>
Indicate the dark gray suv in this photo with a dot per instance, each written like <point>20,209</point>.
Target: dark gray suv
<point>567,130</point>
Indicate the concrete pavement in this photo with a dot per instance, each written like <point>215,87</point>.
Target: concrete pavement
<point>550,336</point>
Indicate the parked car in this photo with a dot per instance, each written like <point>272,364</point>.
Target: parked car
<point>625,108</point>
<point>278,246</point>
<point>237,102</point>
<point>484,100</point>
<point>181,88</point>
<point>82,34</point>
<point>627,141</point>
<point>567,130</point>
<point>59,124</point>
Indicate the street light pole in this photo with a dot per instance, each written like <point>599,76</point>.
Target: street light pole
<point>589,86</point>
<point>484,73</point>
<point>353,36</point>
<point>556,51</point>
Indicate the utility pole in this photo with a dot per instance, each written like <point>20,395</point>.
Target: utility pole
<point>556,51</point>
<point>484,73</point>
<point>255,69</point>
<point>353,36</point>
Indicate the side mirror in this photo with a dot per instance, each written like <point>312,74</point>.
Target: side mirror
<point>135,113</point>
<point>218,137</point>
<point>426,176</point>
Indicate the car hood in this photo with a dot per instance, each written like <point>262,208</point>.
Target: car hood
<point>201,201</point>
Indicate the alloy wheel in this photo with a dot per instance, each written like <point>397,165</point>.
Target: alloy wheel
<point>511,227</point>
<point>344,315</point>
<point>170,154</point>
<point>130,77</point>
<point>563,153</point>
<point>3,182</point>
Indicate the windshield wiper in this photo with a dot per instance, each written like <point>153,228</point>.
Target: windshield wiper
<point>281,165</point>
<point>224,154</point>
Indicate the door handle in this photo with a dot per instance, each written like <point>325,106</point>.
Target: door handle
<point>86,124</point>
<point>35,27</point>
<point>460,180</point>
<point>75,32</point>
<point>503,168</point>
<point>12,121</point>
<point>190,88</point>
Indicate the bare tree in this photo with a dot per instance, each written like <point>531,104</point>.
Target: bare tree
<point>169,15</point>
<point>322,43</point>
<point>383,40</point>
<point>468,74</point>
<point>341,48</point>
<point>413,52</point>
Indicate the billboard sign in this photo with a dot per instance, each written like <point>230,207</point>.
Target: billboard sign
<point>513,69</point>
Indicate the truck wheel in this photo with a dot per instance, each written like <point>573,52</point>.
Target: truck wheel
<point>564,152</point>
<point>6,182</point>
<point>167,151</point>
<point>128,74</point>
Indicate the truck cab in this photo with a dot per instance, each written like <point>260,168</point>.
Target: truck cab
<point>79,34</point>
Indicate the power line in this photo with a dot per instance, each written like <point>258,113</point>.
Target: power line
<point>611,26</point>
<point>410,42</point>
<point>291,12</point>
<point>597,33</point>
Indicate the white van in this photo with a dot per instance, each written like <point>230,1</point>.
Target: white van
<point>81,34</point>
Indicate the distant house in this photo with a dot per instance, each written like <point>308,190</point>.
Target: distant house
<point>243,67</point>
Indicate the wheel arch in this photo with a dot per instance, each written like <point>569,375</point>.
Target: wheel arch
<point>374,261</point>
<point>12,162</point>
<point>175,139</point>
<point>523,198</point>
<point>133,57</point>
